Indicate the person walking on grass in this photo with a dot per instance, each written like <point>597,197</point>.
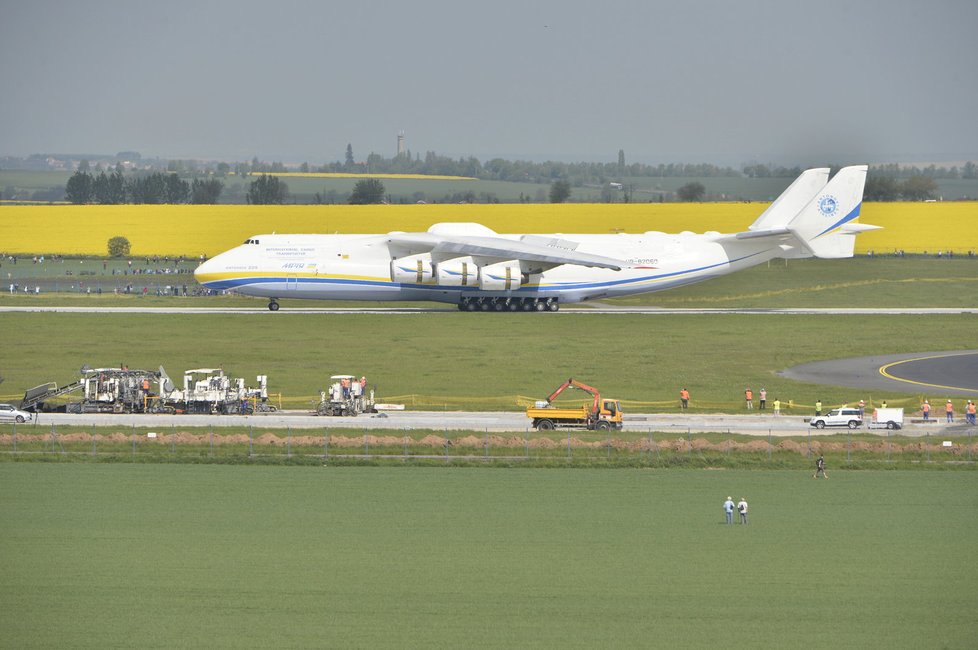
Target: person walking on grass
<point>820,467</point>
<point>728,508</point>
<point>742,509</point>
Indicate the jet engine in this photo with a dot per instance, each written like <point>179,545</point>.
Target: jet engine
<point>457,272</point>
<point>502,276</point>
<point>414,269</point>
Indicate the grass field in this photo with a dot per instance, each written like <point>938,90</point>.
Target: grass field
<point>481,361</point>
<point>215,556</point>
<point>190,230</point>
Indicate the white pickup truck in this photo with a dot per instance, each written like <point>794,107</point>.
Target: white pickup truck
<point>842,417</point>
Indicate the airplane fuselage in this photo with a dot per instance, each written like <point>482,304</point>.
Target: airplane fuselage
<point>358,267</point>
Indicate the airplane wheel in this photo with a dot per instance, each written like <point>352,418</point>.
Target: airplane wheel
<point>484,305</point>
<point>553,306</point>
<point>527,305</point>
<point>273,306</point>
<point>540,305</point>
<point>471,306</point>
<point>498,305</point>
<point>513,305</point>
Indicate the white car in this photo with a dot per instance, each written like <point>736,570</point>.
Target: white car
<point>9,412</point>
<point>843,417</point>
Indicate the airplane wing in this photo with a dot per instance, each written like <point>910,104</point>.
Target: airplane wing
<point>539,250</point>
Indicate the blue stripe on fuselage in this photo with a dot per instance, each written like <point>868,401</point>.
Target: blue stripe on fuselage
<point>561,286</point>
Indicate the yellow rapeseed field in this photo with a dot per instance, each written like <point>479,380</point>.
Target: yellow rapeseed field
<point>209,229</point>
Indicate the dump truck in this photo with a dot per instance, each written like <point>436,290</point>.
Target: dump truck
<point>347,396</point>
<point>601,414</point>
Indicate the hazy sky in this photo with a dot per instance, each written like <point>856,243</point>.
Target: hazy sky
<point>716,81</point>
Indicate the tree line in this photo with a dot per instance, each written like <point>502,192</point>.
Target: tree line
<point>887,188</point>
<point>115,188</point>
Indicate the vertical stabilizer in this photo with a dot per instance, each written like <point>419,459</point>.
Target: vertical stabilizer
<point>824,224</point>
<point>784,208</point>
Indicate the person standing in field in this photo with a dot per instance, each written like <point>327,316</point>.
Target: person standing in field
<point>777,406</point>
<point>763,400</point>
<point>970,413</point>
<point>862,407</point>
<point>925,409</point>
<point>820,467</point>
<point>742,509</point>
<point>949,411</point>
<point>684,398</point>
<point>749,397</point>
<point>728,508</point>
<point>818,407</point>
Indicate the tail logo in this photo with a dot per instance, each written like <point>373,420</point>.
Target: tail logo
<point>828,205</point>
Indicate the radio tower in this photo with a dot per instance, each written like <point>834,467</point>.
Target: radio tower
<point>401,149</point>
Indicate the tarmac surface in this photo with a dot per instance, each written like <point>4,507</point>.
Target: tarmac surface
<point>489,421</point>
<point>951,373</point>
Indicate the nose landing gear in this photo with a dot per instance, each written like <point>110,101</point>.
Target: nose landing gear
<point>272,305</point>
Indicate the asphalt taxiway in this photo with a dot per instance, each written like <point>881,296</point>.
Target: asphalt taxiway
<point>946,373</point>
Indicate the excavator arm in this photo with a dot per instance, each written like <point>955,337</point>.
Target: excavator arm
<point>573,383</point>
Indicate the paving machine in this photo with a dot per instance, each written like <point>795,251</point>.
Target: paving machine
<point>347,396</point>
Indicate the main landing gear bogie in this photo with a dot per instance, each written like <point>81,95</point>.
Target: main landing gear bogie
<point>508,304</point>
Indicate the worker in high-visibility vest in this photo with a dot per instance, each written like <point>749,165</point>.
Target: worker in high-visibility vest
<point>684,398</point>
<point>925,409</point>
<point>749,398</point>
<point>970,412</point>
<point>949,411</point>
<point>818,407</point>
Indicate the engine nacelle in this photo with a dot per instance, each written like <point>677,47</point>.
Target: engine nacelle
<point>502,276</point>
<point>457,272</point>
<point>414,269</point>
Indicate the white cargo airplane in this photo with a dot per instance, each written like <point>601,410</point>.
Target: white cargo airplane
<point>478,269</point>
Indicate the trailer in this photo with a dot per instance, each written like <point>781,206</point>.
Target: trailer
<point>346,396</point>
<point>888,418</point>
<point>602,414</point>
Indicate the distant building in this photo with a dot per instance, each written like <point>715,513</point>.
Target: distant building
<point>401,147</point>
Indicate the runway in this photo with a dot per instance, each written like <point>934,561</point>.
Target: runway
<point>672,424</point>
<point>593,308</point>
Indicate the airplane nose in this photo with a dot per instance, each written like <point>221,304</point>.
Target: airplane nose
<point>206,271</point>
